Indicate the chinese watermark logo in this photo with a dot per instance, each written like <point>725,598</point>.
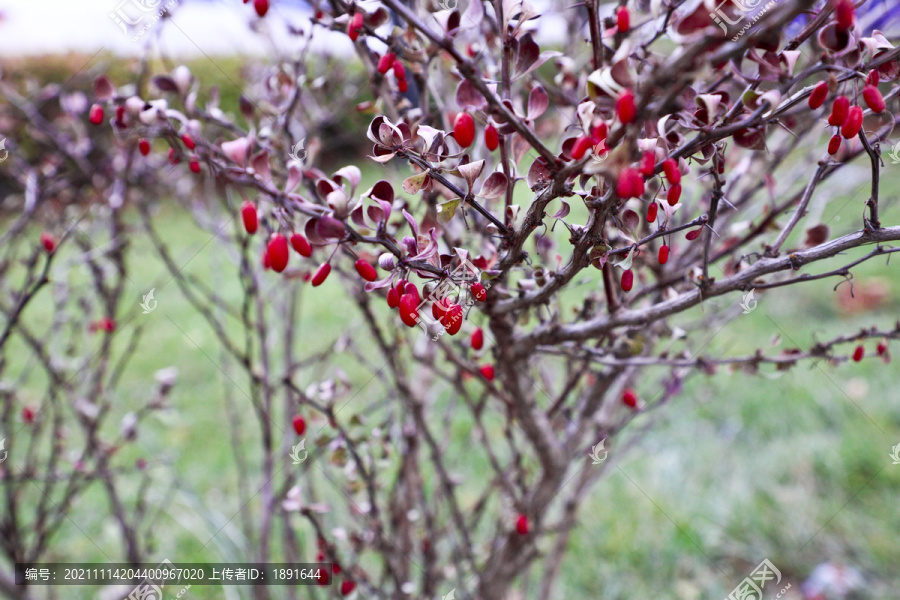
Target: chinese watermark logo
<point>298,153</point>
<point>149,304</point>
<point>733,12</point>
<point>3,451</point>
<point>442,295</point>
<point>295,452</point>
<point>596,458</point>
<point>748,303</point>
<point>4,154</point>
<point>751,587</point>
<point>136,17</point>
<point>895,153</point>
<point>600,152</point>
<point>895,455</point>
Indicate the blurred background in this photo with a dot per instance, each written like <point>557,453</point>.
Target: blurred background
<point>792,467</point>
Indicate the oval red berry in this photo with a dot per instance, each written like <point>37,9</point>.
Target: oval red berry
<point>366,270</point>
<point>321,274</point>
<point>464,129</point>
<point>278,252</point>
<point>299,243</point>
<point>249,216</point>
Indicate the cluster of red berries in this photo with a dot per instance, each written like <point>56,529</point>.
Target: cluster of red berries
<point>276,254</point>
<point>464,132</point>
<point>860,352</point>
<point>390,62</point>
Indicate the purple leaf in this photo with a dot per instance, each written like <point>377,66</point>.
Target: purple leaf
<point>467,96</point>
<point>537,102</point>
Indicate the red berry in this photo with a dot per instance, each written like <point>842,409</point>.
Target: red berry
<point>347,587</point>
<point>623,19</point>
<point>629,398</point>
<point>647,164</point>
<point>464,129</point>
<point>194,165</point>
<point>28,414</point>
<point>854,123</point>
<point>299,424</point>
<point>248,214</point>
<point>173,157</point>
<point>599,132</point>
<point>874,99</point>
<point>627,280</point>
<point>452,319</point>
<point>264,260</point>
<point>487,371</point>
<point>818,95</point>
<point>663,254</point>
<point>410,288</point>
<point>834,145</point>
<point>96,114</point>
<point>365,270</point>
<point>402,86</point>
<point>873,78</point>
<point>674,194</point>
<point>399,71</point>
<point>393,298</point>
<point>321,274</point>
<point>188,141</point>
<point>625,108</point>
<point>144,147</point>
<point>278,252</point>
<point>299,243</point>
<point>479,292</point>
<point>859,353</point>
<point>651,212</point>
<point>882,348</point>
<point>355,26</point>
<point>491,137</point>
<point>844,13</point>
<point>478,339</point>
<point>409,309</point>
<point>630,183</point>
<point>120,117</point>
<point>336,568</point>
<point>839,111</point>
<point>48,242</point>
<point>386,62</point>
<point>670,168</point>
<point>581,147</point>
<point>522,525</point>
<point>261,6</point>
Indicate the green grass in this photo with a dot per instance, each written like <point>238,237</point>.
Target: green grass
<point>788,466</point>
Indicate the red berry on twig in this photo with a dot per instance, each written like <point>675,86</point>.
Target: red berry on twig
<point>663,254</point>
<point>477,339</point>
<point>625,108</point>
<point>627,280</point>
<point>854,123</point>
<point>839,111</point>
<point>874,99</point>
<point>629,398</point>
<point>859,353</point>
<point>249,216</point>
<point>299,424</point>
<point>48,242</point>
<point>818,95</point>
<point>487,371</point>
<point>522,525</point>
<point>491,137</point>
<point>623,19</point>
<point>278,252</point>
<point>366,270</point>
<point>299,243</point>
<point>96,114</point>
<point>144,147</point>
<point>321,274</point>
<point>464,129</point>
